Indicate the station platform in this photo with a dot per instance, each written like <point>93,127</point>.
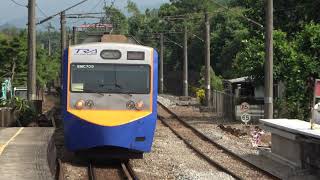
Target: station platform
<point>26,153</point>
<point>294,143</point>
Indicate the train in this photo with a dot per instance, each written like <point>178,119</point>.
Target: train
<point>109,98</point>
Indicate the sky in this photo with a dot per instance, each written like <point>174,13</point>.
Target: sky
<point>17,15</point>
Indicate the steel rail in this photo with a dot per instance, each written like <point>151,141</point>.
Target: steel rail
<point>206,138</point>
<point>91,172</point>
<point>128,171</point>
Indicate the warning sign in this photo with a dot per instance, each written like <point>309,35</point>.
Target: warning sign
<point>244,107</point>
<point>245,118</point>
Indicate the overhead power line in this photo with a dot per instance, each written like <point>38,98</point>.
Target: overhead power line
<point>174,42</point>
<point>95,6</point>
<point>230,10</point>
<point>41,11</point>
<point>19,4</point>
<point>52,16</point>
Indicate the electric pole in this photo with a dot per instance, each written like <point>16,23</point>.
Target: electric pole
<point>74,35</point>
<point>161,64</point>
<point>31,85</point>
<point>63,37</point>
<point>207,59</point>
<point>49,39</point>
<point>185,62</point>
<point>268,79</point>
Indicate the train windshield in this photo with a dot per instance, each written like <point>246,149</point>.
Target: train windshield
<point>110,78</point>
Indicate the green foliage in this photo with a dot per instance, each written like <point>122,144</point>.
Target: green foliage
<point>295,61</point>
<point>118,19</point>
<point>227,33</point>
<point>13,59</point>
<point>215,81</point>
<point>25,113</point>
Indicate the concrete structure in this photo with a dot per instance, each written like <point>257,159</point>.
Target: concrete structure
<point>27,153</point>
<point>293,143</point>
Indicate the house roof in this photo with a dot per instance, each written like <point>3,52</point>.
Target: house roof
<point>240,79</point>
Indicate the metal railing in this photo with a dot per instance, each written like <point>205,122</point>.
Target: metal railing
<point>223,104</point>
<point>227,106</point>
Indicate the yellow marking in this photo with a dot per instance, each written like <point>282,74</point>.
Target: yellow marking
<point>109,117</point>
<point>11,139</point>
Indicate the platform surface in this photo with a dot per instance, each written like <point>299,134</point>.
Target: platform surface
<point>23,153</point>
<point>292,125</point>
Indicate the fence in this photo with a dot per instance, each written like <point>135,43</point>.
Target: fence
<point>7,117</point>
<point>227,106</point>
<point>223,104</point>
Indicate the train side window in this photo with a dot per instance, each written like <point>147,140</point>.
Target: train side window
<point>110,54</point>
<point>135,55</point>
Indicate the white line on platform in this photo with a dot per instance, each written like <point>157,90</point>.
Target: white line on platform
<point>11,139</point>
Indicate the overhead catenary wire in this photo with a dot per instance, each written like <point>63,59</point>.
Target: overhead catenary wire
<point>96,5</point>
<point>41,11</point>
<point>228,9</point>
<point>52,16</point>
<point>174,42</point>
<point>19,4</point>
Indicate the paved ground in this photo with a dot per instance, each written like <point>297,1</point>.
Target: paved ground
<point>24,153</point>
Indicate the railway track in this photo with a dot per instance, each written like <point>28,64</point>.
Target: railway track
<point>212,152</point>
<point>113,171</point>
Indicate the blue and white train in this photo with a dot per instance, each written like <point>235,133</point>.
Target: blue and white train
<point>109,93</point>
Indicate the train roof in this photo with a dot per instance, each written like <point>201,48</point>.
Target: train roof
<point>123,45</point>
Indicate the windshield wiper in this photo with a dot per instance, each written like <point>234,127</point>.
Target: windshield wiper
<point>122,89</point>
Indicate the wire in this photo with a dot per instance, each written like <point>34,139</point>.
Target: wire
<point>198,37</point>
<point>94,7</point>
<point>15,2</point>
<point>42,12</point>
<point>174,42</point>
<point>228,9</point>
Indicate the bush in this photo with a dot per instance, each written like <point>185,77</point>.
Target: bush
<point>25,113</point>
<point>201,95</point>
<point>215,81</point>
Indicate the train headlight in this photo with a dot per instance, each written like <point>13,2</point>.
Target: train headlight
<point>89,103</point>
<point>130,105</point>
<point>139,105</point>
<point>80,104</point>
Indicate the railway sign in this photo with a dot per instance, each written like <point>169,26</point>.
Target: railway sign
<point>245,118</point>
<point>244,107</point>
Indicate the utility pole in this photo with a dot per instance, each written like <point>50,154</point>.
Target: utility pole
<point>161,64</point>
<point>69,39</point>
<point>63,37</point>
<point>31,85</point>
<point>74,35</point>
<point>268,79</point>
<point>49,39</point>
<point>185,62</point>
<point>207,63</point>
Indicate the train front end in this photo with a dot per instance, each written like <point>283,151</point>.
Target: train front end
<point>110,98</point>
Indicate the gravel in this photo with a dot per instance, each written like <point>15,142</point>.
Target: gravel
<point>172,159</point>
<point>167,102</point>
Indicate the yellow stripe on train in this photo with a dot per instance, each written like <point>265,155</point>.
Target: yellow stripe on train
<point>109,117</point>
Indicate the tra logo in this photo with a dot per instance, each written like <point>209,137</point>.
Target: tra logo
<point>85,52</point>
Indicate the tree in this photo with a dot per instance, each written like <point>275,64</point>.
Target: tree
<point>117,18</point>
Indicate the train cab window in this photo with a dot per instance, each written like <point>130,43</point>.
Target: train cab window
<point>110,78</point>
<point>135,55</point>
